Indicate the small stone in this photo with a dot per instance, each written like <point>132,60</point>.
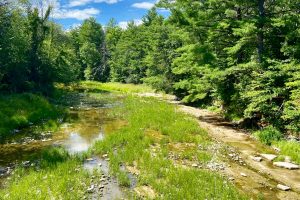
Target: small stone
<point>283,187</point>
<point>90,159</point>
<point>269,157</point>
<point>256,158</point>
<point>101,186</point>
<point>286,165</point>
<point>91,189</point>
<point>231,178</point>
<point>243,174</point>
<point>276,149</point>
<point>105,156</point>
<point>100,164</point>
<point>194,165</point>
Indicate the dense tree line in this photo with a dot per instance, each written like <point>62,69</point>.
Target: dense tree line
<point>239,56</point>
<point>35,52</point>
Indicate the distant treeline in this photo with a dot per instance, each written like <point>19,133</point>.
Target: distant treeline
<point>239,56</point>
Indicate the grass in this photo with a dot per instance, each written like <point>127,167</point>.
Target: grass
<point>155,130</point>
<point>58,176</point>
<point>21,110</point>
<point>272,136</point>
<point>114,87</point>
<point>289,148</point>
<point>268,135</point>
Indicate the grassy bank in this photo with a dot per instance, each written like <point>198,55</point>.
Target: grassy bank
<point>93,86</point>
<point>161,145</point>
<point>272,136</point>
<point>57,176</point>
<point>22,110</point>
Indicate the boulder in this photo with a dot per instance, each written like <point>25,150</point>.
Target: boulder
<point>286,165</point>
<point>269,157</point>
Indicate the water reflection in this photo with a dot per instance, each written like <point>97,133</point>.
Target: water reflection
<point>76,143</point>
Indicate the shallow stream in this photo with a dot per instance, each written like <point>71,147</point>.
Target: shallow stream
<point>88,121</point>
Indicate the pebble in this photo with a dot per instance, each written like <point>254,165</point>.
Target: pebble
<point>283,187</point>
<point>194,165</point>
<point>243,174</point>
<point>91,189</point>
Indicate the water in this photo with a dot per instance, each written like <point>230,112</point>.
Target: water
<point>88,122</point>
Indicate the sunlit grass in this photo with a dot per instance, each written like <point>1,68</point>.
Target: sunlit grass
<point>59,176</point>
<point>124,88</point>
<point>134,144</point>
<point>290,148</point>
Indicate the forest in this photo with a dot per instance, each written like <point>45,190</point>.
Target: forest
<point>238,58</point>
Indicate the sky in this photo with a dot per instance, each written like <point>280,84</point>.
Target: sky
<point>70,13</point>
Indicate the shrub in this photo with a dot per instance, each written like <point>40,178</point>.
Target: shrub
<point>268,135</point>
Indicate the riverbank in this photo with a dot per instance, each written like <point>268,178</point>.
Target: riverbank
<point>19,111</point>
<point>149,148</point>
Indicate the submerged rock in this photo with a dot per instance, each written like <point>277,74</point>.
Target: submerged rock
<point>286,165</point>
<point>269,157</point>
<point>283,187</point>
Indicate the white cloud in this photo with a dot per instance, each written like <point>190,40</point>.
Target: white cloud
<point>143,5</point>
<point>124,24</point>
<point>74,3</point>
<point>62,12</point>
<point>75,13</point>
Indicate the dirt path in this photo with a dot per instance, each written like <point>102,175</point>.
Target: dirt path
<point>261,178</point>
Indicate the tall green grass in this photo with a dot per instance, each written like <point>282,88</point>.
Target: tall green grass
<point>132,144</point>
<point>113,87</point>
<point>59,176</point>
<point>20,110</point>
<point>290,148</point>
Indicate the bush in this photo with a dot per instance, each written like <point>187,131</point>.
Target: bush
<point>268,135</point>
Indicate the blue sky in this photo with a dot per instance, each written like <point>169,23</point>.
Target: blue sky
<point>72,12</point>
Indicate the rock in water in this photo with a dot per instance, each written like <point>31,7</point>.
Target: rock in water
<point>256,158</point>
<point>269,157</point>
<point>283,187</point>
<point>286,165</point>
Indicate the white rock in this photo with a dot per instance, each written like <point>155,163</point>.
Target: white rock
<point>256,158</point>
<point>243,174</point>
<point>194,165</point>
<point>283,187</point>
<point>91,189</point>
<point>269,157</point>
<point>286,165</point>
